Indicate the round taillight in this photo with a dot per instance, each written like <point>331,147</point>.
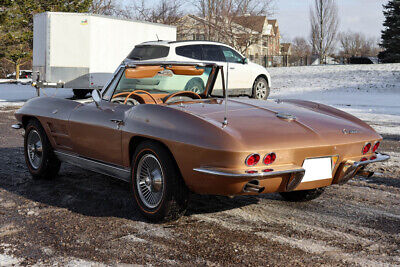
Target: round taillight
<point>269,158</point>
<point>268,170</point>
<point>252,159</point>
<point>376,146</point>
<point>373,158</point>
<point>364,159</point>
<point>251,171</point>
<point>366,148</point>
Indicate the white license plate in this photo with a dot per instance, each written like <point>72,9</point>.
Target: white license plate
<point>317,169</point>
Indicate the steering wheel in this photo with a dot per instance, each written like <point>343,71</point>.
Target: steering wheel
<point>135,96</point>
<point>190,94</point>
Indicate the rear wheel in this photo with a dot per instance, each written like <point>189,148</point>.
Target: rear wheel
<point>302,196</point>
<point>81,93</point>
<point>39,155</point>
<point>157,185</point>
<point>261,89</point>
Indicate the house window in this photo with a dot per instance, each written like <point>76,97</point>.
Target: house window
<point>251,57</point>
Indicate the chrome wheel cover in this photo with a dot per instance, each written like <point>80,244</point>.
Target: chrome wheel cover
<point>34,149</point>
<point>150,181</point>
<point>261,90</point>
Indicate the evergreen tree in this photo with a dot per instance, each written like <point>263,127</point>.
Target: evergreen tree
<point>391,33</point>
<point>16,25</point>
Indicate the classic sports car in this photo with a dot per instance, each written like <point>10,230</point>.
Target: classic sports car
<point>152,126</point>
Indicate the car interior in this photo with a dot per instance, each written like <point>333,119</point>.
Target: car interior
<point>158,84</point>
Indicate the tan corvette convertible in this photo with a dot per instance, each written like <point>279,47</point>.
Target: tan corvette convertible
<point>162,127</point>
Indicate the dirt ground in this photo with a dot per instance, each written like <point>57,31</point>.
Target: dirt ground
<point>83,218</point>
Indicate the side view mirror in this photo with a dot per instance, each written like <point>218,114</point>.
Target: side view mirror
<point>245,61</point>
<point>96,96</point>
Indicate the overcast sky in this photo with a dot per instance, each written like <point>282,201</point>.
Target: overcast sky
<point>293,16</point>
<point>356,15</point>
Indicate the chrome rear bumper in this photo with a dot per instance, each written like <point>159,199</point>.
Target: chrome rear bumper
<point>232,174</point>
<point>350,168</point>
<point>294,173</point>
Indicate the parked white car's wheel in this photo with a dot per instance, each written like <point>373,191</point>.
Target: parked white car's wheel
<point>261,89</point>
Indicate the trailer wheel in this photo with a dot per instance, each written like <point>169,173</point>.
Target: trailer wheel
<point>81,93</point>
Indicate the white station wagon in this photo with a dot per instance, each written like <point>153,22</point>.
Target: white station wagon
<point>245,78</point>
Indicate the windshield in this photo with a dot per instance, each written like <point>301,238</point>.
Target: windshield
<point>160,80</point>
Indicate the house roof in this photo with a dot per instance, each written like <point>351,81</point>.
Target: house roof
<point>274,24</point>
<point>256,23</point>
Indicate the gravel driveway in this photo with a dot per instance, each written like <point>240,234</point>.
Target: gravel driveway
<point>86,218</point>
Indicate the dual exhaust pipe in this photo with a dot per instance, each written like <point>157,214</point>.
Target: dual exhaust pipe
<point>253,187</point>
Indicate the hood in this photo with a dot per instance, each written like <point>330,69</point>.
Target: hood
<point>257,123</point>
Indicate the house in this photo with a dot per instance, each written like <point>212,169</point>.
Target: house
<point>286,52</point>
<point>256,37</point>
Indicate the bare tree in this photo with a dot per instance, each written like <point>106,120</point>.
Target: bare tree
<point>232,21</point>
<point>166,11</point>
<point>300,47</point>
<point>301,51</point>
<point>357,45</point>
<point>109,7</point>
<point>324,26</point>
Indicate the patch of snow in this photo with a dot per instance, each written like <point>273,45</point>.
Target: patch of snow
<point>12,93</point>
<point>6,260</point>
<point>5,81</point>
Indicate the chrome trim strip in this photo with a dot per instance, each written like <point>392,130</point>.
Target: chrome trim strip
<point>16,126</point>
<point>379,157</point>
<point>246,175</point>
<point>96,166</point>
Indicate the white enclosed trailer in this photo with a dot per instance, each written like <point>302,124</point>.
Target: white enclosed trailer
<point>82,51</point>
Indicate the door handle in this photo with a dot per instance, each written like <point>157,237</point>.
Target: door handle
<point>118,122</point>
<point>231,68</point>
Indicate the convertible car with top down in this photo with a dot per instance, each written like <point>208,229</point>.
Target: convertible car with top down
<point>153,127</point>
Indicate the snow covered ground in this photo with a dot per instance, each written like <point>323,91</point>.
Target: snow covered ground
<point>370,92</point>
<point>17,94</point>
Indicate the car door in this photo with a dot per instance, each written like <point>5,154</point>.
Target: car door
<point>213,53</point>
<point>239,73</point>
<point>95,129</point>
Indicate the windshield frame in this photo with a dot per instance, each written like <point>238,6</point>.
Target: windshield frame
<point>121,69</point>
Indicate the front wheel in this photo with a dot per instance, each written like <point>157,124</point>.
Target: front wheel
<point>261,89</point>
<point>157,185</point>
<point>39,156</point>
<point>302,196</point>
